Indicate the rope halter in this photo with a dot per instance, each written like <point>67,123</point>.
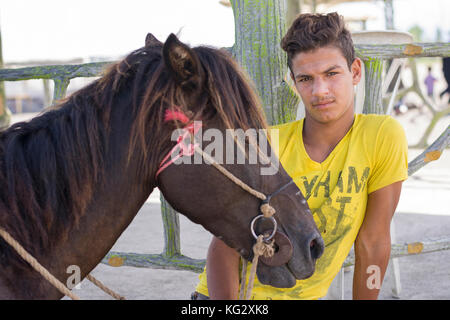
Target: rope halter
<point>265,245</point>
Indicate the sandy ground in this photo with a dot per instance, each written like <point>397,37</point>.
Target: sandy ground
<point>423,212</point>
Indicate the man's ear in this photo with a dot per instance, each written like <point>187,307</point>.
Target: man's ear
<point>151,41</point>
<point>182,63</point>
<point>356,69</point>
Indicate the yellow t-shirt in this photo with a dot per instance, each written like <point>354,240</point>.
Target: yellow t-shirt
<point>372,155</point>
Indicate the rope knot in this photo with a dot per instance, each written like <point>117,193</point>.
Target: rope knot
<point>267,210</point>
<point>262,248</point>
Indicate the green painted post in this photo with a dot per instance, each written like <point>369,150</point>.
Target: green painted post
<point>373,82</point>
<point>59,92</point>
<point>47,94</point>
<point>171,225</point>
<point>259,28</point>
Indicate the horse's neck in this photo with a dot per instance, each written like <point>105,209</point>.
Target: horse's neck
<point>98,230</point>
<point>114,204</point>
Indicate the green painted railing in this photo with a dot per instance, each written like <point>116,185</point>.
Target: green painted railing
<point>171,258</point>
<point>60,74</point>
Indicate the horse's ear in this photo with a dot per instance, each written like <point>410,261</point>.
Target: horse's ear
<point>151,41</point>
<point>183,63</point>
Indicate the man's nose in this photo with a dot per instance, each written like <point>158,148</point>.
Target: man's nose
<point>320,88</point>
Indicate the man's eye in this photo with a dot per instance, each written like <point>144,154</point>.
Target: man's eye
<point>332,74</point>
<point>302,79</point>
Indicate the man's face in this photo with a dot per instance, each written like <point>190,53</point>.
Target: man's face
<point>325,83</point>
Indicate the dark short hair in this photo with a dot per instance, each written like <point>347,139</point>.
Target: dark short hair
<point>312,31</point>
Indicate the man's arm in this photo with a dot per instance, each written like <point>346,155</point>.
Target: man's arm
<point>373,243</point>
<point>222,271</point>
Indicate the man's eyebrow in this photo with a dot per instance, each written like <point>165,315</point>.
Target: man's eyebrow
<point>335,66</point>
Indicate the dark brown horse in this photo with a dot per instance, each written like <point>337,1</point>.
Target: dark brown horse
<point>73,178</point>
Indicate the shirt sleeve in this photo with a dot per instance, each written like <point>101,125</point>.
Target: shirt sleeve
<point>390,158</point>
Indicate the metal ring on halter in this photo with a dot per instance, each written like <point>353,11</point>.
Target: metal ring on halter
<point>252,227</point>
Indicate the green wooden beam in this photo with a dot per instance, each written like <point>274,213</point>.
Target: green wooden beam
<point>155,261</point>
<point>409,50</point>
<point>54,72</point>
<point>409,249</point>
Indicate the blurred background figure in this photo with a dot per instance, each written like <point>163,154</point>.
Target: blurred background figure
<point>429,83</point>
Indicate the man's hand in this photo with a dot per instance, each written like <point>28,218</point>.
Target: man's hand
<point>373,243</point>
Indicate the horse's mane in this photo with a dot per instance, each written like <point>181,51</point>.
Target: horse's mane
<point>51,165</point>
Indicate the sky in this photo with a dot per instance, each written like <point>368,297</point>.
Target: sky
<point>62,29</point>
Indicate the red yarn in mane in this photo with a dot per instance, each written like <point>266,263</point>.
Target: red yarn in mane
<point>171,115</point>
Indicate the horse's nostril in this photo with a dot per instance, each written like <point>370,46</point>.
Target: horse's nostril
<point>276,248</point>
<point>316,248</point>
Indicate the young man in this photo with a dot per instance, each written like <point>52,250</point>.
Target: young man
<point>349,168</point>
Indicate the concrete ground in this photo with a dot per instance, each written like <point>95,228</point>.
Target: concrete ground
<point>423,212</point>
